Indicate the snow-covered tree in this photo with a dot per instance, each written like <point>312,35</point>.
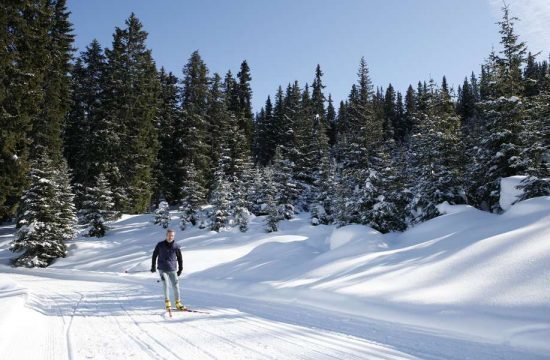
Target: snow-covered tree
<point>436,155</point>
<point>273,216</point>
<point>193,197</point>
<point>47,216</point>
<point>162,214</point>
<point>98,207</point>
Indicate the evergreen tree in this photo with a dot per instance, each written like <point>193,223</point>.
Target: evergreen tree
<point>169,168</point>
<point>98,207</point>
<point>535,140</point>
<point>66,211</point>
<point>436,156</point>
<point>23,52</point>
<point>332,123</point>
<point>218,116</point>
<point>86,94</point>
<point>162,214</point>
<point>265,134</point>
<point>391,120</point>
<point>287,191</point>
<point>127,129</point>
<point>195,98</point>
<point>48,124</point>
<point>513,56</point>
<point>410,111</point>
<point>273,216</point>
<point>364,130</point>
<point>47,216</point>
<point>503,113</point>
<point>220,196</point>
<point>193,197</point>
<point>245,115</point>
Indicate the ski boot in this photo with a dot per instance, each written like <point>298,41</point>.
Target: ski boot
<point>180,306</point>
<point>168,304</point>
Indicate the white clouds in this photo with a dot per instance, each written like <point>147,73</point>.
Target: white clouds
<point>534,24</point>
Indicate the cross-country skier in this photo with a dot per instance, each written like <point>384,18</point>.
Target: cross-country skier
<point>169,260</point>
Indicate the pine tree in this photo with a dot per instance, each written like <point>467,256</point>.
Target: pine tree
<point>391,120</point>
<point>287,191</point>
<point>98,207</point>
<point>86,93</point>
<point>129,111</point>
<point>436,155</point>
<point>48,124</point>
<point>535,140</point>
<point>162,214</point>
<point>47,216</point>
<point>169,168</point>
<point>364,132</point>
<point>66,210</point>
<point>195,97</point>
<point>219,117</point>
<point>24,27</point>
<point>194,196</point>
<point>245,115</point>
<point>503,113</point>
<point>273,216</point>
<point>220,196</point>
<point>332,123</point>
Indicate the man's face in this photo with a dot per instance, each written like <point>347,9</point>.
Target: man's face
<point>170,236</point>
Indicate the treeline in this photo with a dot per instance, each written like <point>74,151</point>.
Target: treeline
<point>105,132</point>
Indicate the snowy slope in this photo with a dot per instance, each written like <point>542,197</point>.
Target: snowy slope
<point>467,284</point>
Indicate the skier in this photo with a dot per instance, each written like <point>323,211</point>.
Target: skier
<point>169,256</point>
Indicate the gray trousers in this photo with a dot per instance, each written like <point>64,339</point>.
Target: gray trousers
<point>173,277</point>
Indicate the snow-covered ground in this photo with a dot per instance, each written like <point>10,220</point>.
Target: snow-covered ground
<point>466,285</point>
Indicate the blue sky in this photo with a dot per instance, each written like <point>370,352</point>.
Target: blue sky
<point>403,41</point>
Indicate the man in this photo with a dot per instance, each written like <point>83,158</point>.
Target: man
<point>169,259</point>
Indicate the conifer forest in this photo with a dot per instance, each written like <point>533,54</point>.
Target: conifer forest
<point>88,136</point>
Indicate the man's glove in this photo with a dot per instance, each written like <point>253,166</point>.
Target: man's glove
<point>179,272</point>
<point>153,269</point>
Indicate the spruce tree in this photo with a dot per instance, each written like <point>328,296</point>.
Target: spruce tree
<point>81,121</point>
<point>23,52</point>
<point>245,115</point>
<point>194,195</point>
<point>129,113</point>
<point>220,196</point>
<point>48,124</point>
<point>195,98</point>
<point>169,168</point>
<point>332,122</point>
<point>162,214</point>
<point>47,216</point>
<point>98,207</point>
<point>271,210</point>
<point>436,156</point>
<point>503,113</point>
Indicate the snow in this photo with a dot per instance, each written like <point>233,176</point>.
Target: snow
<point>467,284</point>
<point>509,193</point>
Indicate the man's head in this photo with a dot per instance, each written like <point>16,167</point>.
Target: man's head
<point>170,235</point>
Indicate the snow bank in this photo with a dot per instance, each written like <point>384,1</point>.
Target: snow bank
<point>509,193</point>
<point>371,239</point>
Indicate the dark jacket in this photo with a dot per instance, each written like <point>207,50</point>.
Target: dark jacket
<point>168,254</point>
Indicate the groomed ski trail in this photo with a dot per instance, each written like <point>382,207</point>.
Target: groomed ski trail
<point>109,316</point>
<point>86,319</point>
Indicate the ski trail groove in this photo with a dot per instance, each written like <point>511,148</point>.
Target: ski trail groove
<point>70,352</point>
<point>227,341</point>
<point>143,330</point>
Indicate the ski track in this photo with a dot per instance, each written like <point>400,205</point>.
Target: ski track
<point>90,319</point>
<point>193,350</point>
<point>339,345</point>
